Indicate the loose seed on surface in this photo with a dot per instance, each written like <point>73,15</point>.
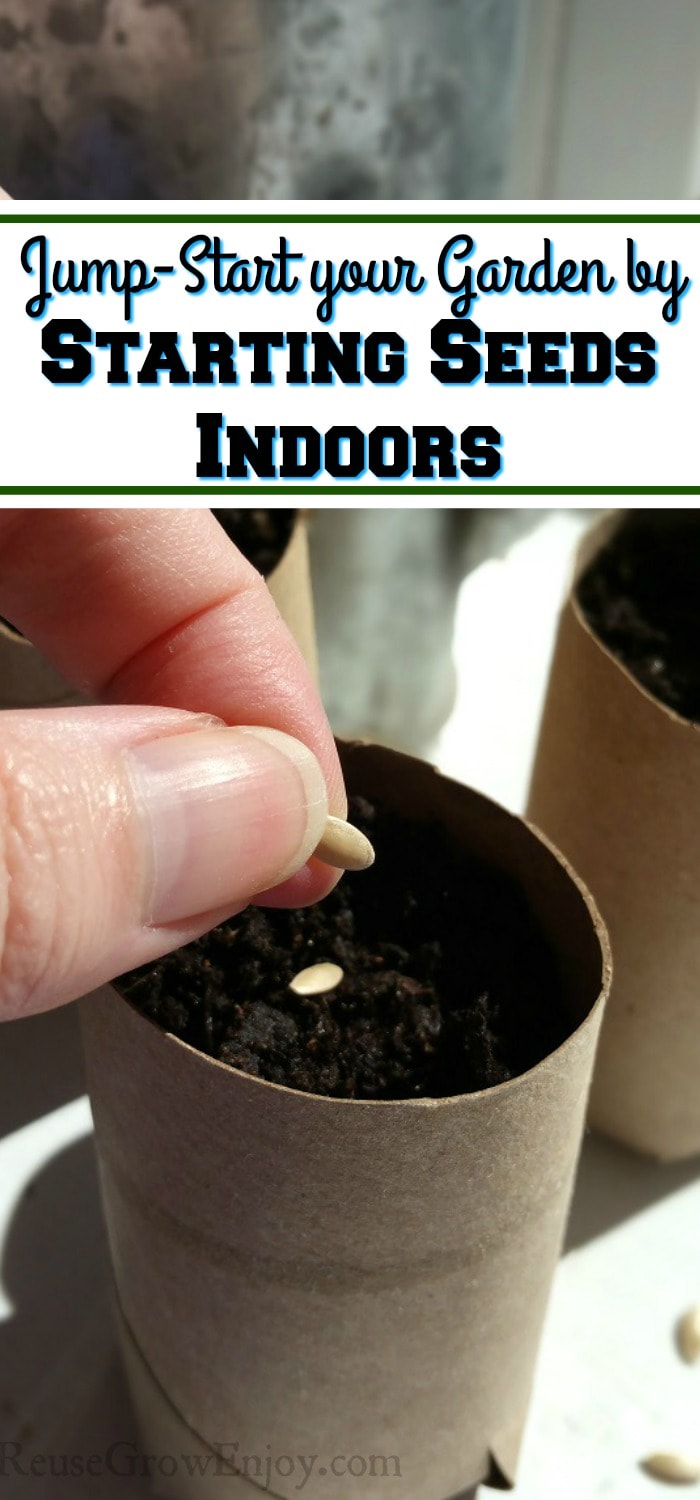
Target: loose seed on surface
<point>318,979</point>
<point>673,1468</point>
<point>688,1336</point>
<point>344,847</point>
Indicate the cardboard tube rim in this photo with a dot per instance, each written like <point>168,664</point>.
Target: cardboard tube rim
<point>599,932</point>
<point>591,545</point>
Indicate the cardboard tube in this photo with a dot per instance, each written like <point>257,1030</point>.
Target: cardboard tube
<point>617,786</point>
<point>290,586</point>
<point>305,1275</point>
<point>200,1469</point>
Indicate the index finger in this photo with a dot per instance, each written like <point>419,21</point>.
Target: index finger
<point>156,606</point>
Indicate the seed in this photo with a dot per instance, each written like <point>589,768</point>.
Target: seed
<point>674,1468</point>
<point>688,1336</point>
<point>344,847</point>
<point>316,980</point>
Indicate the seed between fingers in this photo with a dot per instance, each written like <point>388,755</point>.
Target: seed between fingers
<point>344,847</point>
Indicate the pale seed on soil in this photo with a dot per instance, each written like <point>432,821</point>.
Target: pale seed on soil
<point>318,979</point>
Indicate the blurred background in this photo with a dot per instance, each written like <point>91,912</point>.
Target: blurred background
<point>350,98</point>
<point>390,591</point>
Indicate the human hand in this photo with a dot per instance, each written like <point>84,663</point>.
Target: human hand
<point>126,831</point>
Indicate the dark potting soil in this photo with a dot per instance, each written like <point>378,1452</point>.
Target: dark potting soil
<point>449,986</point>
<point>261,535</point>
<point>641,595</point>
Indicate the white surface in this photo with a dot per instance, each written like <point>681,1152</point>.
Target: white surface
<point>585,125</point>
<point>504,634</point>
<point>610,1385</point>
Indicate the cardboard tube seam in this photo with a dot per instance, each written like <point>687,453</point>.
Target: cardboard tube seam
<point>206,1447</point>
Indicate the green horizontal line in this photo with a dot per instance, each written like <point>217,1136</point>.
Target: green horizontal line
<point>227,218</point>
<point>487,487</point>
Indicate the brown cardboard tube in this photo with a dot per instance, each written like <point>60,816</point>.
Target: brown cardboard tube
<point>617,786</point>
<point>199,1469</point>
<point>307,1275</point>
<point>290,586</point>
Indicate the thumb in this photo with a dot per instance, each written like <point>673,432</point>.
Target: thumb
<point>127,832</point>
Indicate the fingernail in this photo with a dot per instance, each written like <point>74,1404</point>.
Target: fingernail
<point>225,813</point>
